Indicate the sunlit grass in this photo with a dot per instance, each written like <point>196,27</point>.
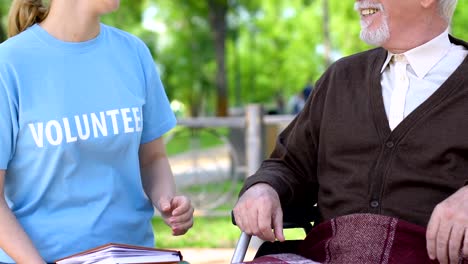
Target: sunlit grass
<point>207,232</point>
<point>183,139</point>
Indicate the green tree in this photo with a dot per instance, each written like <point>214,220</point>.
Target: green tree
<point>185,54</point>
<point>207,19</point>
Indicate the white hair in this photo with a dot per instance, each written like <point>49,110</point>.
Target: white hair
<point>447,8</point>
<point>375,37</point>
<point>378,36</point>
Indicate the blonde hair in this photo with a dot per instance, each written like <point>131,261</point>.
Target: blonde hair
<point>25,13</point>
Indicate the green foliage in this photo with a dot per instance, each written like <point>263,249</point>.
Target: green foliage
<point>128,16</point>
<point>186,53</point>
<point>460,20</point>
<point>4,8</point>
<point>273,48</point>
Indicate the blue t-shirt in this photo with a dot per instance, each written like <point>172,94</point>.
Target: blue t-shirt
<point>72,118</point>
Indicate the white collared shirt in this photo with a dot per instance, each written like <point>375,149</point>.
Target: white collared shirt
<point>429,66</point>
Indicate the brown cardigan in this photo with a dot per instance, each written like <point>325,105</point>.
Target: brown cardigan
<point>341,153</point>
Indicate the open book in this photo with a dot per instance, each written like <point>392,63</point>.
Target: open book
<point>114,253</point>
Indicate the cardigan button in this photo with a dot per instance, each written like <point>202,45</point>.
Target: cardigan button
<point>374,204</point>
<point>390,144</point>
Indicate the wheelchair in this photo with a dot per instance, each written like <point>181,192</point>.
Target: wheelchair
<point>298,215</point>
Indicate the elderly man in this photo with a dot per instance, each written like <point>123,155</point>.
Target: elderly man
<point>384,133</point>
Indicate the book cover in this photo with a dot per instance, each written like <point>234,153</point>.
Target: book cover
<point>115,253</point>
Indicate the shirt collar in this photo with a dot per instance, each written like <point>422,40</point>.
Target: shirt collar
<point>426,56</point>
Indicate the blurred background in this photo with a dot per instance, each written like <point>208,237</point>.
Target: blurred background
<point>236,73</point>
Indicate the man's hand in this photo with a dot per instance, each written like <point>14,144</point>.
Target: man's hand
<point>447,231</point>
<point>177,213</point>
<point>258,211</point>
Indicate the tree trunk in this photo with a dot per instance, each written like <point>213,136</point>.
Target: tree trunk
<point>217,16</point>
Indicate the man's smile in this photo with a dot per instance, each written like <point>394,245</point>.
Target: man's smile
<point>368,11</point>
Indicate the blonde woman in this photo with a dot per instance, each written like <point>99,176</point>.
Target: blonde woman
<point>82,112</point>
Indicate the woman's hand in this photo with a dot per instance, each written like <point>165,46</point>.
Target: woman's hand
<point>177,213</point>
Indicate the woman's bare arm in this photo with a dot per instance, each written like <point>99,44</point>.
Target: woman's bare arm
<point>158,182</point>
<point>13,240</point>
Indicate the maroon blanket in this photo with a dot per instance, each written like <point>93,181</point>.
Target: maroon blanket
<point>363,239</point>
<point>282,259</point>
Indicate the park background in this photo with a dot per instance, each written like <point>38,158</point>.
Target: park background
<point>215,57</point>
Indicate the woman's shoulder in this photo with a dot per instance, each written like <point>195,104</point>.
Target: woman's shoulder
<point>124,37</point>
<point>128,42</point>
<point>15,46</point>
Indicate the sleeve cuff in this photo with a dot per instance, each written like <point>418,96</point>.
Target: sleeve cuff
<point>283,189</point>
<point>151,135</point>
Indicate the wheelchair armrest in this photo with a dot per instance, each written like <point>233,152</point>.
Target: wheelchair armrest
<point>300,212</point>
<point>295,217</point>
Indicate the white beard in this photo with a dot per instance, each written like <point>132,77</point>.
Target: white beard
<point>375,37</point>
